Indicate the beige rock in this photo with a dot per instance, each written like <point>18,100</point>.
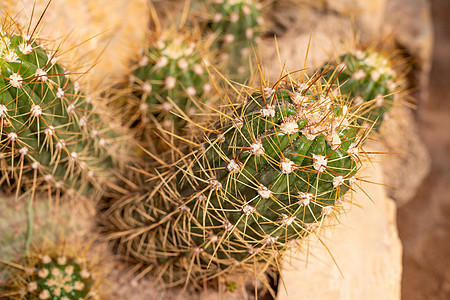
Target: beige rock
<point>368,15</point>
<point>110,32</point>
<point>331,24</point>
<point>365,246</point>
<point>300,27</point>
<point>409,21</point>
<point>409,163</point>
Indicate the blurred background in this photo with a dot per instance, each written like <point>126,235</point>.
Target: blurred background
<point>424,223</point>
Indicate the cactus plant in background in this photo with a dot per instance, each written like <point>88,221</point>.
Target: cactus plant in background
<point>22,222</point>
<point>51,134</point>
<point>265,176</point>
<point>55,272</point>
<point>237,25</point>
<point>369,79</point>
<point>168,83</point>
<point>14,221</point>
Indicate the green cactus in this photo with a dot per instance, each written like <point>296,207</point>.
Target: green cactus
<point>171,72</point>
<point>54,274</point>
<point>369,79</point>
<point>20,221</point>
<point>237,25</point>
<point>266,176</point>
<point>51,134</point>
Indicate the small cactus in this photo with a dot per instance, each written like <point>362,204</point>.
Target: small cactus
<point>168,82</point>
<point>55,273</point>
<point>237,25</point>
<point>266,176</point>
<point>369,79</point>
<point>51,135</point>
<point>22,222</point>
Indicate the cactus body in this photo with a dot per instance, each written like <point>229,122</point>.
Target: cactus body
<point>55,273</point>
<point>261,170</point>
<point>368,78</point>
<point>171,72</point>
<point>267,176</point>
<point>237,25</point>
<point>50,133</point>
<point>51,272</point>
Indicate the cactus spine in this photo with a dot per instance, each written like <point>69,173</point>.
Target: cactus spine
<point>369,79</point>
<point>267,175</point>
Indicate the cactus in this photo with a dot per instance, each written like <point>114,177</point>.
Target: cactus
<point>267,175</point>
<point>51,135</point>
<point>20,222</point>
<point>55,272</point>
<point>237,25</point>
<point>169,81</point>
<point>369,79</point>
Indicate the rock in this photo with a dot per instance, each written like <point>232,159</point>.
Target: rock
<point>331,24</point>
<point>104,33</point>
<point>409,162</point>
<point>368,15</point>
<point>409,21</point>
<point>365,246</point>
<point>293,28</point>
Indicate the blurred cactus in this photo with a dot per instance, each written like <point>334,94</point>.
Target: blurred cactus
<point>237,25</point>
<point>266,175</point>
<point>55,272</point>
<point>21,222</point>
<point>51,133</point>
<point>369,79</point>
<point>169,83</point>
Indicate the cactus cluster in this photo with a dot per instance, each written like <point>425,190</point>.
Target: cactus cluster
<point>369,79</point>
<point>51,134</point>
<point>267,174</point>
<point>227,198</point>
<point>54,274</point>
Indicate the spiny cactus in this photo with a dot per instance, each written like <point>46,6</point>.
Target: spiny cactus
<point>369,79</point>
<point>267,175</point>
<point>14,225</point>
<point>169,81</point>
<point>237,25</point>
<point>51,133</point>
<point>20,222</point>
<point>56,273</point>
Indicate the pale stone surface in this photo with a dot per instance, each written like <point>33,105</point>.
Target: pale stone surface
<point>409,21</point>
<point>293,27</point>
<point>365,246</point>
<point>104,33</point>
<point>409,162</point>
<point>332,25</point>
<point>368,15</point>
